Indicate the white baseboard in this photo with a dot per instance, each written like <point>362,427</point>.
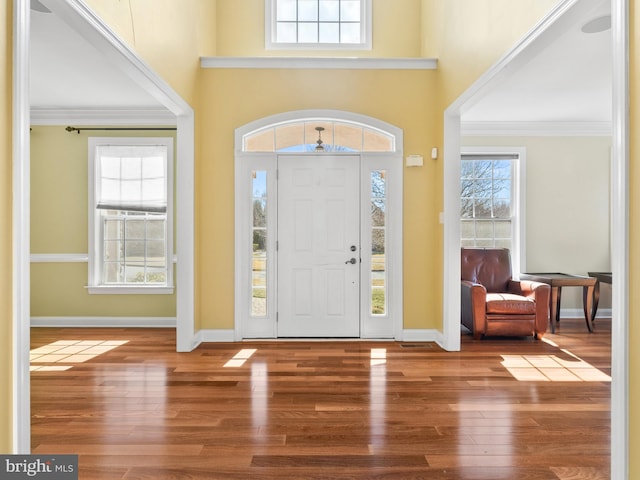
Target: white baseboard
<point>410,335</point>
<point>422,335</point>
<point>213,336</point>
<point>202,336</point>
<point>92,322</point>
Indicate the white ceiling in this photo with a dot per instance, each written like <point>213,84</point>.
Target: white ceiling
<point>567,80</point>
<point>69,73</point>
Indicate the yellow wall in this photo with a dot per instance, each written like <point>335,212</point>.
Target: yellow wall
<point>468,37</point>
<point>232,98</point>
<point>169,35</point>
<point>6,264</point>
<point>59,224</point>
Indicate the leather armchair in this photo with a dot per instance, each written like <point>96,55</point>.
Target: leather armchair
<point>493,303</point>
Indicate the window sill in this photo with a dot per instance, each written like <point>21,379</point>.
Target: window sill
<point>129,290</point>
<point>351,63</point>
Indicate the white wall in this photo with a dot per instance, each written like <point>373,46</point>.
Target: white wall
<point>567,206</point>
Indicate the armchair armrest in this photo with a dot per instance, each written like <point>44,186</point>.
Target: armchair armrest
<point>541,293</point>
<point>526,288</point>
<point>473,300</point>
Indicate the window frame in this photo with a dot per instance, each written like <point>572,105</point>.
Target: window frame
<point>96,237</point>
<point>518,204</point>
<point>366,26</point>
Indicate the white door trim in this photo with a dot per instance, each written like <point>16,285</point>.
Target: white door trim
<point>551,25</point>
<point>620,243</point>
<point>21,428</point>
<point>246,162</point>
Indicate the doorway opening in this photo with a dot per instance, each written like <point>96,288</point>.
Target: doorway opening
<point>521,53</point>
<point>318,227</point>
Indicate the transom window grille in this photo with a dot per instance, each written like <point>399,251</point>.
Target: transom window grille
<point>302,136</point>
<point>318,23</point>
<point>130,203</point>
<point>487,200</point>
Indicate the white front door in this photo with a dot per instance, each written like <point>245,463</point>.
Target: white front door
<point>318,246</point>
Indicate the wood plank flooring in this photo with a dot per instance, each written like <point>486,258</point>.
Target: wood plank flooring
<point>501,409</point>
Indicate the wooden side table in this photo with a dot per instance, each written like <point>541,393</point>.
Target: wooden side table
<point>558,280</point>
<point>601,277</point>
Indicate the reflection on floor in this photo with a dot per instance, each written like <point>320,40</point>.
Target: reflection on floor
<point>501,409</point>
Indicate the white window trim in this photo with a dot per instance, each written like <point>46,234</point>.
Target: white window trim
<point>271,44</point>
<point>518,197</point>
<point>94,286</point>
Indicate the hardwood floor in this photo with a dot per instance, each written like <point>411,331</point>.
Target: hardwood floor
<point>501,409</point>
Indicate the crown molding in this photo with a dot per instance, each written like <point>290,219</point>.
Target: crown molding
<point>532,129</point>
<point>104,116</point>
<point>352,63</point>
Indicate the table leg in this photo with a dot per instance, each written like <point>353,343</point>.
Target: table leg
<point>596,300</point>
<point>587,302</point>
<point>554,302</point>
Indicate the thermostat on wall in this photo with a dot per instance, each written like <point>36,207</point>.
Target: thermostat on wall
<point>415,161</point>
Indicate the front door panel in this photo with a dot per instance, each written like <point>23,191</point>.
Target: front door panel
<point>318,246</point>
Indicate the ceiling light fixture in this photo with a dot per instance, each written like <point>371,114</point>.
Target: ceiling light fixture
<point>597,25</point>
<point>319,147</point>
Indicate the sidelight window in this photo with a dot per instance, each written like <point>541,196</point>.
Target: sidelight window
<point>259,244</point>
<point>378,277</point>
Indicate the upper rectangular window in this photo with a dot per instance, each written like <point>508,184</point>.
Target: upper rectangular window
<point>318,24</point>
<point>130,192</point>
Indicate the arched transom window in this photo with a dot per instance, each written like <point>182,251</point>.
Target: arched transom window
<point>303,136</point>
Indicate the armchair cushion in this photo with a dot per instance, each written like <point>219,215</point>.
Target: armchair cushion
<point>509,303</point>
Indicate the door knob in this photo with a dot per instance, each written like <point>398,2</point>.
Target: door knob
<point>353,248</point>
<point>352,261</point>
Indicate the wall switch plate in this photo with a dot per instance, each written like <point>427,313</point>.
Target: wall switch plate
<point>414,161</point>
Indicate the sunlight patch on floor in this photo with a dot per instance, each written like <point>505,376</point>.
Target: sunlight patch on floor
<point>65,353</point>
<point>551,368</point>
<point>240,358</point>
<point>378,356</point>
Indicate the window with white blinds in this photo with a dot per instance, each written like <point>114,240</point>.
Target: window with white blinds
<point>132,178</point>
<point>130,215</point>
